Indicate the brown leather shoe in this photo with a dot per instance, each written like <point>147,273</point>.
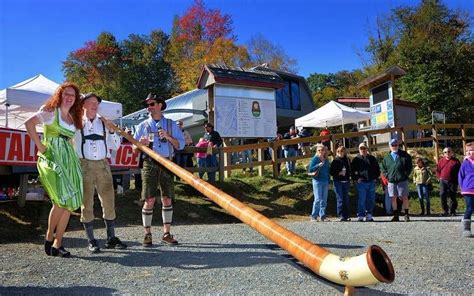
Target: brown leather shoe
<point>147,241</point>
<point>168,239</point>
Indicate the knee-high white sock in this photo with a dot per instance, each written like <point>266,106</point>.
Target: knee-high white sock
<point>147,216</point>
<point>167,214</point>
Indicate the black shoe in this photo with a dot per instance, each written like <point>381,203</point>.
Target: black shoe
<point>47,247</point>
<point>395,219</point>
<point>61,252</point>
<point>93,247</point>
<point>115,243</point>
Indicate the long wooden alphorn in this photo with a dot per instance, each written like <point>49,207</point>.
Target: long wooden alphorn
<point>367,269</point>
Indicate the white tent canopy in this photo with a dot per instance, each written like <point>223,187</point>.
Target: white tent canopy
<point>332,114</point>
<point>19,102</point>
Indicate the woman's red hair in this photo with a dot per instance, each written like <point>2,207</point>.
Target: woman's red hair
<point>57,98</point>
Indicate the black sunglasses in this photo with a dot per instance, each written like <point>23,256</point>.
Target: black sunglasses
<point>151,104</point>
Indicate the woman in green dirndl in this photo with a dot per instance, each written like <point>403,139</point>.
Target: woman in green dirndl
<point>58,165</point>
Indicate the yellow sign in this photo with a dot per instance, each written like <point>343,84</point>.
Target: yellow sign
<point>382,118</point>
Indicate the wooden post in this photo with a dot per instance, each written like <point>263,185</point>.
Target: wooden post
<point>275,164</point>
<point>403,139</point>
<point>227,158</point>
<point>349,290</point>
<point>368,141</point>
<point>210,95</point>
<point>332,146</point>
<point>463,135</point>
<point>435,140</point>
<point>260,157</point>
<point>374,140</point>
<point>23,186</point>
<point>221,163</point>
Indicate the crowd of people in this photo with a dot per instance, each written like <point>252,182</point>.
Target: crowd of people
<point>394,171</point>
<point>72,164</point>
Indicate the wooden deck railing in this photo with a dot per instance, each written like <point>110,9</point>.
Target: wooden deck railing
<point>463,133</point>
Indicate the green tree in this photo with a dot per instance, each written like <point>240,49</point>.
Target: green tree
<point>123,71</point>
<point>144,70</point>
<point>327,87</point>
<point>435,46</point>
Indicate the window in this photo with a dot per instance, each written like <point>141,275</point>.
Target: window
<point>380,93</point>
<point>289,96</point>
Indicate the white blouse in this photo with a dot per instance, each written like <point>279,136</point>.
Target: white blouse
<point>47,117</point>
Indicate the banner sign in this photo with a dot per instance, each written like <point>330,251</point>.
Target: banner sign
<point>16,148</point>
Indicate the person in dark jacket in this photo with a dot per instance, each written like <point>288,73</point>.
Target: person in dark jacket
<point>447,172</point>
<point>396,167</point>
<point>341,174</point>
<point>365,172</point>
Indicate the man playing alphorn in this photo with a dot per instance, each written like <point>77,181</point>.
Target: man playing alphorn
<point>163,136</point>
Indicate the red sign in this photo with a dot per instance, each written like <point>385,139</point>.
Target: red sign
<point>16,148</point>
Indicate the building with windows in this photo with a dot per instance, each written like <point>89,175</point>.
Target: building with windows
<point>293,100</point>
<point>281,96</point>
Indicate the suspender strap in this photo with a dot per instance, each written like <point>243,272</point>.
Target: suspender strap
<point>170,131</point>
<point>104,139</point>
<point>94,137</point>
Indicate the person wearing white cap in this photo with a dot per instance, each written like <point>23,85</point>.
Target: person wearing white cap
<point>397,166</point>
<point>365,172</point>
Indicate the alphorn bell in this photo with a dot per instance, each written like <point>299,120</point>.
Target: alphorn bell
<point>367,269</point>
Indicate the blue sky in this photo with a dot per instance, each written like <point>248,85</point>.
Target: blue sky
<point>324,36</point>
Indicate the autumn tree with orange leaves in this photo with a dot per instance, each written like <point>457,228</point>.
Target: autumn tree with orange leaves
<point>202,36</point>
<point>94,67</point>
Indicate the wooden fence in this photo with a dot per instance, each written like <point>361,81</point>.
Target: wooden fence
<point>409,136</point>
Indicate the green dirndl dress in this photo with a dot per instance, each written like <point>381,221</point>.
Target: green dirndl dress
<point>59,168</point>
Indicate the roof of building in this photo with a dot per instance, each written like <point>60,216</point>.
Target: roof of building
<point>352,100</point>
<point>398,102</point>
<point>211,74</point>
<point>386,75</point>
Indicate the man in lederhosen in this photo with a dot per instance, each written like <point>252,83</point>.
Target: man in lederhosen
<point>163,136</point>
<point>93,144</point>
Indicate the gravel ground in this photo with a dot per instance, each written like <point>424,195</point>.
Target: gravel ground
<point>429,256</point>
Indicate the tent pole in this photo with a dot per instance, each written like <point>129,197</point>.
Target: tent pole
<point>6,114</point>
<point>344,138</point>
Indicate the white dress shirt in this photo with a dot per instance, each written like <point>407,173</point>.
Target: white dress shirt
<point>95,150</point>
